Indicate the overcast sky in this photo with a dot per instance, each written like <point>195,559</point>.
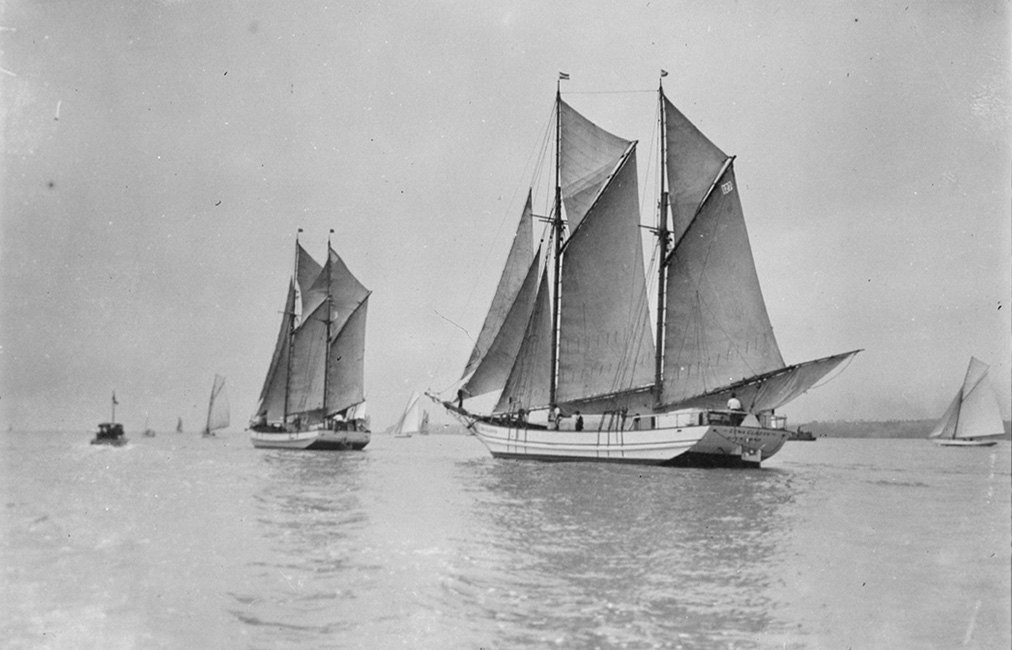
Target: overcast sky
<point>158,158</point>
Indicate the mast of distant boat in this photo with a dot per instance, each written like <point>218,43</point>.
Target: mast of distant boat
<point>330,313</point>
<point>291,333</point>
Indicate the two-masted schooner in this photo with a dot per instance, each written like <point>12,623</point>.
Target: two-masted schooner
<point>568,340</point>
<point>313,396</point>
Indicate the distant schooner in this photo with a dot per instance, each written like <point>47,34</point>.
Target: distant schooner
<point>569,335</point>
<point>313,396</point>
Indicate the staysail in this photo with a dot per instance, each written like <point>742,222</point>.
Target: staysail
<point>272,396</point>
<point>498,339</point>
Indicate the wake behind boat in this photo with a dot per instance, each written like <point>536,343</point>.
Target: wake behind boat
<point>973,419</point>
<point>568,341</point>
<point>313,396</point>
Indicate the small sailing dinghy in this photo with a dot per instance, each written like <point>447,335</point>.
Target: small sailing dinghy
<point>217,408</point>
<point>973,419</point>
<point>179,425</point>
<point>313,396</point>
<point>414,420</point>
<point>111,432</point>
<point>568,343</point>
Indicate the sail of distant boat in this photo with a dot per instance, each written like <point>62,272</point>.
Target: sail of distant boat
<point>412,421</point>
<point>974,415</point>
<point>179,425</point>
<point>217,408</point>
<point>313,396</point>
<point>571,333</point>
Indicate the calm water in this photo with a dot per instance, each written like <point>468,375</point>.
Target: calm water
<point>182,542</point>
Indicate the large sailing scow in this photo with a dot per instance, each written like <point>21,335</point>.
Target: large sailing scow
<point>314,395</point>
<point>568,342</point>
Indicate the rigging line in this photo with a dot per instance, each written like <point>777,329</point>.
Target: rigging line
<point>454,324</point>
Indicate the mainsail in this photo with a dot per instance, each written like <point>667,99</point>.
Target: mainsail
<point>317,368</point>
<point>217,408</point>
<point>974,412</point>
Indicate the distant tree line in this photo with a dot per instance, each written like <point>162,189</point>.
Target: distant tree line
<point>877,428</point>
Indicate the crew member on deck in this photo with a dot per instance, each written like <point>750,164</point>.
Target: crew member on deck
<point>734,405</point>
<point>460,398</point>
<point>579,421</point>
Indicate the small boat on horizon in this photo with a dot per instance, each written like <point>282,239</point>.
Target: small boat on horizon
<point>973,419</point>
<point>148,431</point>
<point>314,395</point>
<point>111,432</point>
<point>567,342</point>
<point>217,408</point>
<point>179,425</point>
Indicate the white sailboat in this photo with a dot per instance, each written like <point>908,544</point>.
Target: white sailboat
<point>313,396</point>
<point>569,336</point>
<point>217,408</point>
<point>973,419</point>
<point>414,420</point>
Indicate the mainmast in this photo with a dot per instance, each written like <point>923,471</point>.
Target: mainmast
<point>291,333</point>
<point>557,227</point>
<point>662,237</point>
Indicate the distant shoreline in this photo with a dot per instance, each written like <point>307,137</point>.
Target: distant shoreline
<point>878,428</point>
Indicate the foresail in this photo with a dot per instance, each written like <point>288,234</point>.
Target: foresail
<point>767,391</point>
<point>218,409</point>
<point>692,164</point>
<point>511,281</point>
<point>309,350</point>
<point>946,426</point>
<point>979,415</point>
<point>717,330</point>
<point>605,341</point>
<point>589,155</point>
<point>528,384</point>
<point>272,396</point>
<point>490,375</point>
<point>346,363</point>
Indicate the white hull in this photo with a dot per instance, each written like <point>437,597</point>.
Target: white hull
<point>956,442</point>
<point>732,445</point>
<point>313,439</point>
